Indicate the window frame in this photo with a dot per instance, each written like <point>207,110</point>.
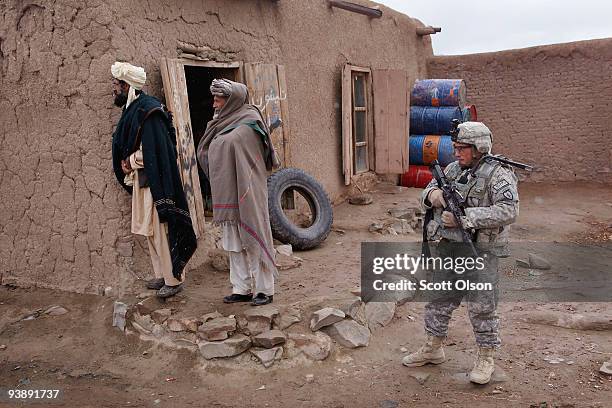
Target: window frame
<point>366,109</point>
<point>348,119</point>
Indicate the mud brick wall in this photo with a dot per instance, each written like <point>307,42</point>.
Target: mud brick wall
<point>64,221</point>
<point>550,105</point>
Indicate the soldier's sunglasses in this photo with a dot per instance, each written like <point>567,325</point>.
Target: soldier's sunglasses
<point>461,148</point>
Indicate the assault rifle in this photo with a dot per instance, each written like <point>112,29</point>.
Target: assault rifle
<point>454,203</point>
<point>505,160</point>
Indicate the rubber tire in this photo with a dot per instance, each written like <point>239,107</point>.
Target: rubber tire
<point>323,216</point>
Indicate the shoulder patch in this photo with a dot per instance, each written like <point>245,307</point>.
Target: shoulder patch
<point>508,194</point>
<point>500,185</point>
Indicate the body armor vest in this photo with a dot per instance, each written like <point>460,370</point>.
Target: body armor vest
<point>474,190</point>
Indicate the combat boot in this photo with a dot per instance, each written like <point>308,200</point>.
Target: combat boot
<point>484,366</point>
<point>431,352</point>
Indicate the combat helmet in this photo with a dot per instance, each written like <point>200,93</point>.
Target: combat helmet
<point>473,133</point>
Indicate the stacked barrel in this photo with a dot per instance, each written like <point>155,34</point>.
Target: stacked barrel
<point>434,104</point>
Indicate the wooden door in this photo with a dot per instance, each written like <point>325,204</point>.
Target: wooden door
<point>268,91</point>
<point>175,89</point>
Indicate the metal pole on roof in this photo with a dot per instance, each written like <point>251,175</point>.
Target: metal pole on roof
<point>356,8</point>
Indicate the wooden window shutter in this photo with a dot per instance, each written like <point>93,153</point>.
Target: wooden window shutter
<point>347,124</point>
<point>175,89</point>
<point>268,91</point>
<point>391,120</point>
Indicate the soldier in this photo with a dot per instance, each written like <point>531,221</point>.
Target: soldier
<point>491,204</point>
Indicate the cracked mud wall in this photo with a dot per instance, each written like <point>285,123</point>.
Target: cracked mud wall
<point>549,105</point>
<point>65,222</point>
<point>316,43</point>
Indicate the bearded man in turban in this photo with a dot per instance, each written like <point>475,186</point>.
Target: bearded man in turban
<point>236,154</point>
<point>145,163</point>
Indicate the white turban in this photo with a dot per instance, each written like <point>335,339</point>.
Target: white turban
<point>134,76</point>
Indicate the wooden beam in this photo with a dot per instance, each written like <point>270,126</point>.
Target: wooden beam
<point>356,8</point>
<point>211,64</point>
<point>427,30</point>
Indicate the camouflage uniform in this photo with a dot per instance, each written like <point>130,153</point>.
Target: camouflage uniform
<point>492,204</point>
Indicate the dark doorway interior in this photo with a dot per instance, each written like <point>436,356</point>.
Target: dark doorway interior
<point>201,111</point>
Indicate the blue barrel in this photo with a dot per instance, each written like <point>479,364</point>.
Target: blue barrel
<point>415,149</point>
<point>424,149</point>
<point>438,92</point>
<point>446,153</point>
<point>429,120</point>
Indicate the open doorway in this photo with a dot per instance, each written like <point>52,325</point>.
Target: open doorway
<point>198,80</point>
<point>187,90</point>
<point>200,99</point>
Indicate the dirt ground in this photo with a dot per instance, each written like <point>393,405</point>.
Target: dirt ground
<point>95,365</point>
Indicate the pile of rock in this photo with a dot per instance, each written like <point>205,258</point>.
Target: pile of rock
<point>352,322</point>
<point>226,337</point>
<point>402,221</point>
<point>150,318</point>
<point>215,335</point>
<point>259,330</point>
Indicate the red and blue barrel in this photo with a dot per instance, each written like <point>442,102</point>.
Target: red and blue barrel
<point>432,120</point>
<point>438,92</point>
<point>416,176</point>
<point>424,149</point>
